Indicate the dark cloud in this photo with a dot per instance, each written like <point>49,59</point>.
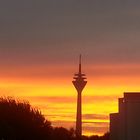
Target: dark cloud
<point>52,31</point>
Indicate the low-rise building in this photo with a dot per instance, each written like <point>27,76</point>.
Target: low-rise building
<point>125,125</point>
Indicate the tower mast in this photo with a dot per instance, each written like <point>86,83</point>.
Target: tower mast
<point>79,83</point>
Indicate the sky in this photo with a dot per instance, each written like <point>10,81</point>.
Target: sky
<point>40,42</point>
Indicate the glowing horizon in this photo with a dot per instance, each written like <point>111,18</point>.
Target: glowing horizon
<point>57,100</point>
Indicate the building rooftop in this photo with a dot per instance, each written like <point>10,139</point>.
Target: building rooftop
<point>132,96</point>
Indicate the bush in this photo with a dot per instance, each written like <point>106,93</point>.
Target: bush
<point>19,121</point>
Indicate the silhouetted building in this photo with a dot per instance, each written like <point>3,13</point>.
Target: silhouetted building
<point>125,125</point>
<point>79,83</point>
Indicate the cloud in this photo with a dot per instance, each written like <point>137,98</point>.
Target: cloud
<point>86,117</point>
<point>71,99</point>
<point>95,116</point>
<point>88,127</point>
<point>52,32</point>
<point>95,130</point>
<point>95,127</point>
<point>114,70</point>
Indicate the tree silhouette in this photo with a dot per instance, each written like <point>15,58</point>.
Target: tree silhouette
<point>60,133</point>
<point>19,121</point>
<point>104,137</point>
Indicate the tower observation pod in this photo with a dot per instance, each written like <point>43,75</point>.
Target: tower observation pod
<point>79,83</point>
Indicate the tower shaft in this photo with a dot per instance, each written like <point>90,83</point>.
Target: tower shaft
<point>79,115</point>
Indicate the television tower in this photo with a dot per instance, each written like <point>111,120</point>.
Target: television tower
<point>79,83</point>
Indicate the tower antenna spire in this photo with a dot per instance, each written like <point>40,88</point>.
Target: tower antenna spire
<point>80,64</point>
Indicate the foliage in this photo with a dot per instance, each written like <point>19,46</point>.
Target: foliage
<point>104,137</point>
<point>20,121</point>
<point>60,133</point>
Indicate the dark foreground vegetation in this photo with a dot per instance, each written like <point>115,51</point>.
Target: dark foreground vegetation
<point>19,121</point>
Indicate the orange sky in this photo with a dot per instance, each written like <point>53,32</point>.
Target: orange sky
<point>55,95</point>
